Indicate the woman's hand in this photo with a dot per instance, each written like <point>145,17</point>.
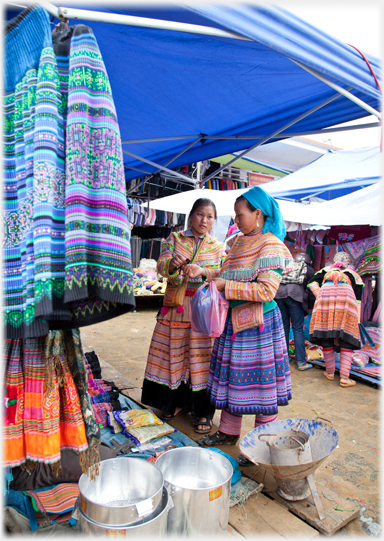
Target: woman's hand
<point>193,271</point>
<point>176,261</point>
<point>220,283</point>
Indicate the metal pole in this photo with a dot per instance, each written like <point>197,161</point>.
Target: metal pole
<point>247,137</point>
<point>159,166</point>
<point>329,100</point>
<point>341,90</point>
<point>87,15</point>
<point>179,154</point>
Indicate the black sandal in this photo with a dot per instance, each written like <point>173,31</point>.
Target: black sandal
<point>207,424</point>
<point>219,438</point>
<point>244,462</point>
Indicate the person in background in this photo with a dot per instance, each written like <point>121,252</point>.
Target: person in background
<point>249,373</point>
<point>292,299</point>
<point>336,315</point>
<point>178,362</point>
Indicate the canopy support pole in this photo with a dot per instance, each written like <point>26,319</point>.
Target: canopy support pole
<point>160,167</point>
<point>98,16</point>
<point>319,106</point>
<point>178,155</point>
<point>248,137</point>
<point>341,90</point>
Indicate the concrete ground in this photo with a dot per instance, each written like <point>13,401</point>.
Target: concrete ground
<point>351,471</point>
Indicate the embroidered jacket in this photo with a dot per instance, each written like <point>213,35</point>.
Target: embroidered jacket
<point>210,257</point>
<point>257,256</point>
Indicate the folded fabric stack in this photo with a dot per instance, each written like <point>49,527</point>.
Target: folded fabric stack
<point>54,504</point>
<point>104,395</point>
<point>373,368</point>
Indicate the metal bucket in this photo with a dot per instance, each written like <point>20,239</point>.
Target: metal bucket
<point>199,482</point>
<point>125,491</point>
<point>288,447</point>
<point>154,525</point>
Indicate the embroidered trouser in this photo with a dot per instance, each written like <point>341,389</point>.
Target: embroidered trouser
<point>345,361</point>
<point>230,423</point>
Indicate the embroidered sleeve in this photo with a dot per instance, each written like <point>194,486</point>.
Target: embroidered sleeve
<point>211,273</point>
<point>167,252</point>
<point>264,290</point>
<point>357,284</point>
<point>315,282</point>
<point>213,270</point>
<point>314,287</point>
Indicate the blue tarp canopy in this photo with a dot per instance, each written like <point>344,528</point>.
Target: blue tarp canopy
<point>175,87</point>
<point>336,173</point>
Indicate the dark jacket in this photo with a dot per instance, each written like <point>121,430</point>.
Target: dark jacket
<point>299,292</point>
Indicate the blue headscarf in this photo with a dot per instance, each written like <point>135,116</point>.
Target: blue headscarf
<point>269,208</point>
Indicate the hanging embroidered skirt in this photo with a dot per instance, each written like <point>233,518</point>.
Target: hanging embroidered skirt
<point>34,179</point>
<point>335,315</point>
<point>251,374</point>
<point>39,419</point>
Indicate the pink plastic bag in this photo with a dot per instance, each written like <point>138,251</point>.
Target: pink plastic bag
<point>209,310</point>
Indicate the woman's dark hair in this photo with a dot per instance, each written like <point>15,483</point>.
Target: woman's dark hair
<point>249,205</point>
<point>203,202</point>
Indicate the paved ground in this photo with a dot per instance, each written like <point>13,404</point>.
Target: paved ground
<point>351,471</point>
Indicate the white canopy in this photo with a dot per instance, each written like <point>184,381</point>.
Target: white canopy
<point>358,208</point>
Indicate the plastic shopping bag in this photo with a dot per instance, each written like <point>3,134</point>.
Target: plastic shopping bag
<point>209,310</point>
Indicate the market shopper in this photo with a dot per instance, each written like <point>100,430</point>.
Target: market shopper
<point>336,314</point>
<point>249,372</point>
<point>292,300</point>
<point>178,362</point>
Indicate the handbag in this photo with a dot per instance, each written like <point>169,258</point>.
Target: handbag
<point>175,293</point>
<point>247,315</point>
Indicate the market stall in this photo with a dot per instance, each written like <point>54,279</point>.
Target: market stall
<point>80,124</point>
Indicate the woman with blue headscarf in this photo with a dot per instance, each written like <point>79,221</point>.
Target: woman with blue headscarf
<point>249,372</point>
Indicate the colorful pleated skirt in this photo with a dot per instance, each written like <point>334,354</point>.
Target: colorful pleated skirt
<point>177,353</point>
<point>335,315</point>
<point>178,365</point>
<point>251,374</point>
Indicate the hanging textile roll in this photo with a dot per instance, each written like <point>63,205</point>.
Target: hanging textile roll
<point>98,269</point>
<point>34,179</point>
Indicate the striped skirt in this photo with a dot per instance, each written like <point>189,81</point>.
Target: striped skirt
<point>335,315</point>
<point>178,354</point>
<point>251,374</point>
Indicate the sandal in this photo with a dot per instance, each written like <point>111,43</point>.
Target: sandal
<point>167,418</point>
<point>219,438</point>
<point>347,383</point>
<point>305,367</point>
<point>329,376</point>
<point>244,462</point>
<point>207,424</point>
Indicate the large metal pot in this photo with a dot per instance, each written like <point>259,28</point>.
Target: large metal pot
<point>125,491</point>
<point>154,525</point>
<point>199,482</point>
